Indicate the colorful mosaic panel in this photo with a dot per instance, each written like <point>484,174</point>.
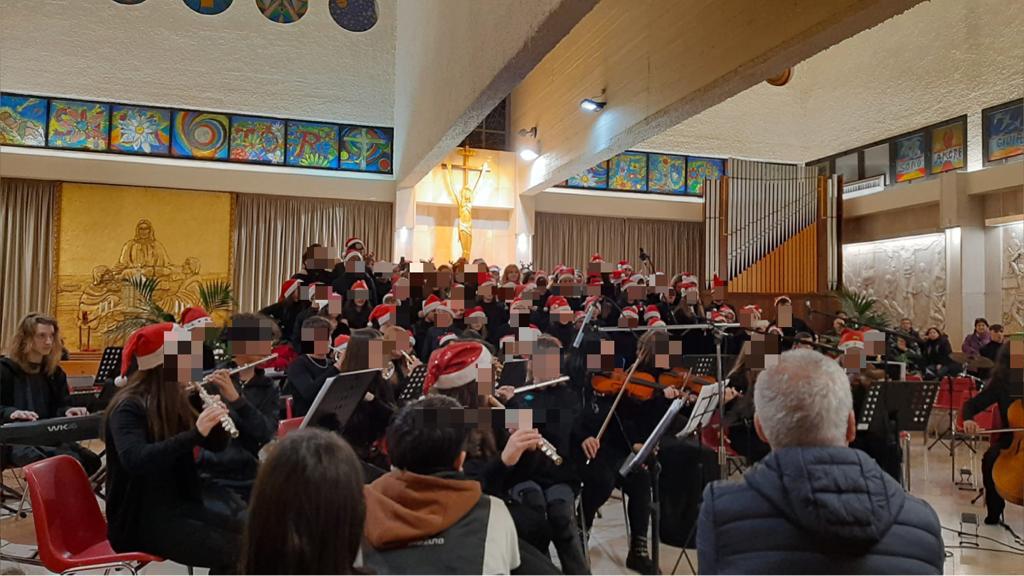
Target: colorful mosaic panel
<point>700,169</point>
<point>22,120</point>
<point>628,171</point>
<point>257,140</point>
<point>140,130</point>
<point>200,135</point>
<point>312,145</point>
<point>77,125</point>
<point>366,149</point>
<point>594,177</point>
<point>666,173</point>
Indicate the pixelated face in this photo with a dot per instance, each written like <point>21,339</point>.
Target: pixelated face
<point>334,302</point>
<point>316,340</point>
<point>443,319</point>
<point>518,419</point>
<point>250,341</point>
<point>562,317</point>
<point>545,364</point>
<point>355,266</point>
<point>747,318</point>
<point>604,360</point>
<point>763,350</point>
<point>183,358</point>
<point>401,289</point>
<point>692,297</point>
<point>519,317</point>
<point>396,342</point>
<point>636,292</point>
<point>359,296</point>
<point>486,293</point>
<point>628,321</point>
<point>443,279</point>
<point>457,300</point>
<point>599,268</point>
<point>718,294</point>
<point>322,258</point>
<point>854,359</point>
<point>380,352</point>
<point>1017,356</point>
<point>506,293</point>
<point>785,315</point>
<point>874,344</point>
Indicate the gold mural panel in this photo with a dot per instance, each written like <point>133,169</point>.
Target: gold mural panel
<point>1012,278</point>
<point>110,234</point>
<point>906,275</point>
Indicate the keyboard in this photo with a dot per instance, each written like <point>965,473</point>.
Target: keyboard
<point>52,431</point>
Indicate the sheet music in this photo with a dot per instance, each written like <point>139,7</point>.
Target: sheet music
<point>703,409</point>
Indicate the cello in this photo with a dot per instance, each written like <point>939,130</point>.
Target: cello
<point>1008,470</point>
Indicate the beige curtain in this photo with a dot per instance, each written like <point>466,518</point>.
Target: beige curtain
<point>272,231</point>
<point>569,239</point>
<point>28,209</point>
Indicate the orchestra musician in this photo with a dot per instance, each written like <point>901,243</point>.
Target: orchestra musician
<point>156,501</point>
<point>34,387</point>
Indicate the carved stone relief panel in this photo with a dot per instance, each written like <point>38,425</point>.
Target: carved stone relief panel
<point>1012,278</point>
<point>906,275</point>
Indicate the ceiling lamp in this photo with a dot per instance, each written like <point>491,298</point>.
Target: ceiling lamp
<point>594,104</point>
<point>782,78</point>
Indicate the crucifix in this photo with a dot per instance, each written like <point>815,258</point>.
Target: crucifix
<point>463,198</point>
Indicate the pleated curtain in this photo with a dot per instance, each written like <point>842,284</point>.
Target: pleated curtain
<point>272,231</point>
<point>570,239</point>
<point>27,243</point>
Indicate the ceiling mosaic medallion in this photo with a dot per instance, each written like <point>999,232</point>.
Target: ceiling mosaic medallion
<point>354,15</point>
<point>283,11</point>
<point>208,7</point>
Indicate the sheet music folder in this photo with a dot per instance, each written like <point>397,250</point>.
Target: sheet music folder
<point>338,398</point>
<point>909,403</point>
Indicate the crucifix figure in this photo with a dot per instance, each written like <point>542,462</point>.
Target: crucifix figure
<point>463,198</point>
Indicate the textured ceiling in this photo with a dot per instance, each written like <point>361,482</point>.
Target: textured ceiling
<point>941,59</point>
<point>161,52</point>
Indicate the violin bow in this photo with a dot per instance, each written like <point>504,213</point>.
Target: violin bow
<point>618,398</point>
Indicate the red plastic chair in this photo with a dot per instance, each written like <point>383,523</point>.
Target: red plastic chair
<point>288,405</point>
<point>70,529</point>
<point>288,425</point>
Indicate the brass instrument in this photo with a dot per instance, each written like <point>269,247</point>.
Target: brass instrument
<point>209,400</point>
<point>410,362</point>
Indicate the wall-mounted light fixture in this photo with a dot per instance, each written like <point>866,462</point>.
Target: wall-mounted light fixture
<point>594,104</point>
<point>529,149</point>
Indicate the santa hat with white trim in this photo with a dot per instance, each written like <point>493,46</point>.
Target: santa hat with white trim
<point>146,347</point>
<point>596,257</point>
<point>382,314</point>
<point>625,265</point>
<point>476,313</point>
<point>194,317</point>
<point>630,312</point>
<point>359,285</point>
<point>851,338</point>
<point>655,322</point>
<point>351,254</point>
<point>556,304</point>
<point>566,273</point>
<point>289,287</point>
<point>430,305</point>
<point>446,338</point>
<point>352,242</point>
<point>456,365</point>
<point>652,312</point>
<point>340,343</point>
<point>728,313</point>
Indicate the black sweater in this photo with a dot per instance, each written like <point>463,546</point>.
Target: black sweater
<point>255,414</point>
<point>147,479</point>
<point>305,377</point>
<point>1002,393</point>
<point>47,396</point>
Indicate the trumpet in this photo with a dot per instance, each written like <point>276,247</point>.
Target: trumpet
<point>209,400</point>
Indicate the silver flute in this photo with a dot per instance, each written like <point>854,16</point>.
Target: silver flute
<point>548,449</point>
<point>209,400</point>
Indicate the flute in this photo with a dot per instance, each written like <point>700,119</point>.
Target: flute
<point>548,449</point>
<point>537,385</point>
<point>208,400</point>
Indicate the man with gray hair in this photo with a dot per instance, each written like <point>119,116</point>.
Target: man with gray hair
<point>813,505</point>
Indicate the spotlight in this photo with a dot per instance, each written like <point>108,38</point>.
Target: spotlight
<point>530,149</point>
<point>592,105</point>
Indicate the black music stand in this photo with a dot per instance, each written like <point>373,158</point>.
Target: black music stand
<point>338,399</point>
<point>647,456</point>
<point>110,365</point>
<point>705,364</point>
<point>513,373</point>
<point>413,388</point>
<point>907,403</point>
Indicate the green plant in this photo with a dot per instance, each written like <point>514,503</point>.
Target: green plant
<point>861,307</point>
<point>216,296</point>
<point>142,309</point>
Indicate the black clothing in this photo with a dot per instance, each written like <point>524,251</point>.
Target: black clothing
<point>343,282</point>
<point>936,352</point>
<point>1004,394</point>
<point>565,333</point>
<point>255,414</point>
<point>432,340</point>
<point>991,350</point>
<point>156,502</point>
<point>304,378</point>
<point>357,317</point>
<point>285,314</point>
<point>310,276</point>
<point>48,397</point>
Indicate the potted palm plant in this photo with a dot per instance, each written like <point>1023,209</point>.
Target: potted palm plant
<point>143,306</point>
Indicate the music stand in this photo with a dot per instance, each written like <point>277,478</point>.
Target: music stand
<point>910,401</point>
<point>513,373</point>
<point>413,385</point>
<point>704,364</point>
<point>646,454</point>
<point>110,365</point>
<point>339,397</point>
<point>703,409</point>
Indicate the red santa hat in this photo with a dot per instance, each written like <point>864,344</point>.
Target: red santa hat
<point>655,322</point>
<point>754,310</point>
<point>624,265</point>
<point>340,343</point>
<point>352,242</point>
<point>628,282</point>
<point>456,365</point>
<point>652,312</point>
<point>146,346</point>
<point>446,338</point>
<point>851,338</point>
<point>596,257</point>
<point>476,312</point>
<point>630,312</point>
<point>566,273</point>
<point>616,276</point>
<point>717,317</point>
<point>445,306</point>
<point>728,313</point>
<point>595,280</point>
<point>520,304</point>
<point>289,287</point>
<point>557,304</point>
<point>194,317</point>
<point>430,305</point>
<point>591,301</point>
<point>382,314</point>
<point>359,285</point>
<point>351,254</point>
<point>389,298</point>
<point>717,282</point>
<point>783,300</point>
<point>686,282</point>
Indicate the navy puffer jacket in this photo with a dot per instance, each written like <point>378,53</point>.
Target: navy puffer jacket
<point>817,510</point>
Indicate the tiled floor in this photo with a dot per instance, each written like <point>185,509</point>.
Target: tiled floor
<point>931,480</point>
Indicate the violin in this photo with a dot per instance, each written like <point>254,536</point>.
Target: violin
<point>642,385</point>
<point>1008,470</point>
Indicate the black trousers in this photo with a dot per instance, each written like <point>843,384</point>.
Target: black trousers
<point>24,455</point>
<point>601,476</point>
<point>994,503</point>
<point>206,534</point>
<point>533,561</point>
<point>555,507</point>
